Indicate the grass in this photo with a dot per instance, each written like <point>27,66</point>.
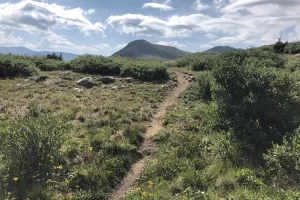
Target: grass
<point>106,128</point>
<point>194,161</point>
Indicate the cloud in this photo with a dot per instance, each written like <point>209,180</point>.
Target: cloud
<point>158,6</point>
<point>172,44</point>
<point>199,6</point>
<point>210,36</point>
<point>7,37</point>
<point>204,47</point>
<point>121,46</point>
<point>34,16</point>
<point>58,43</point>
<point>165,7</point>
<point>255,22</point>
<point>174,26</point>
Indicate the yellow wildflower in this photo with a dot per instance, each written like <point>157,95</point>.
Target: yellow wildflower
<point>59,195</point>
<point>138,189</point>
<point>27,199</point>
<point>150,195</point>
<point>144,194</point>
<point>59,167</point>
<point>91,148</point>
<point>9,193</point>
<point>150,183</point>
<point>15,179</point>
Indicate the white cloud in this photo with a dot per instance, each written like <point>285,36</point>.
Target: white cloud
<point>89,12</point>
<point>34,16</point>
<point>174,26</point>
<point>58,43</point>
<point>158,6</point>
<point>7,37</point>
<point>210,36</point>
<point>172,44</point>
<point>204,47</point>
<point>121,46</point>
<point>254,22</point>
<point>198,5</point>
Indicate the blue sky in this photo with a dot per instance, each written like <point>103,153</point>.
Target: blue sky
<point>103,27</point>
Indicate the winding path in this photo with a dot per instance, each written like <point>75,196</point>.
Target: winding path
<point>147,146</point>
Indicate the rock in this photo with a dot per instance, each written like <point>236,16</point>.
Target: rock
<point>41,78</point>
<point>52,81</point>
<point>115,88</point>
<point>81,118</point>
<point>107,79</point>
<point>129,80</point>
<point>158,90</point>
<point>123,86</point>
<point>86,82</point>
<point>78,89</point>
<point>297,55</point>
<point>65,73</point>
<point>19,85</point>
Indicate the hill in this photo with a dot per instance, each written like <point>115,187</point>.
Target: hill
<point>220,49</point>
<point>144,49</point>
<point>28,52</point>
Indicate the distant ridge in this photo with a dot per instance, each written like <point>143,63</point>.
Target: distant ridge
<point>220,49</point>
<point>147,50</point>
<point>28,52</point>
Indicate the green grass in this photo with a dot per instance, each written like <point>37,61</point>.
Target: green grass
<point>106,127</point>
<point>194,161</point>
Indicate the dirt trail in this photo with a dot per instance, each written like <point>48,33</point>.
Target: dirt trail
<point>154,127</point>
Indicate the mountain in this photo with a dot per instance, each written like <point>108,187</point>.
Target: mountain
<point>29,52</point>
<point>144,49</point>
<point>220,49</point>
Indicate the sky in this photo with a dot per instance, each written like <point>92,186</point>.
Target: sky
<point>103,27</point>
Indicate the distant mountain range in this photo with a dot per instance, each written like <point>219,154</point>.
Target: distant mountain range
<point>220,49</point>
<point>135,49</point>
<point>144,49</point>
<point>29,52</point>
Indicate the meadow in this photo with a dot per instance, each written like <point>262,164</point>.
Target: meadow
<point>232,134</point>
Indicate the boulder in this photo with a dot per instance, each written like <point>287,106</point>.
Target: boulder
<point>115,88</point>
<point>129,80</point>
<point>41,78</point>
<point>86,82</point>
<point>107,79</point>
<point>78,89</point>
<point>297,55</point>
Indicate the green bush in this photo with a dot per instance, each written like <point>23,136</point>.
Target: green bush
<point>256,100</point>
<point>50,64</point>
<point>292,48</point>
<point>198,61</point>
<point>283,161</point>
<point>95,65</point>
<point>29,149</point>
<point>16,66</point>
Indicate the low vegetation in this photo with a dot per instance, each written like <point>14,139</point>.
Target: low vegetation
<point>233,135</point>
<point>23,66</point>
<point>61,141</point>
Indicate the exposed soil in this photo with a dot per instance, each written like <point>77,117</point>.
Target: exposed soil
<point>153,128</point>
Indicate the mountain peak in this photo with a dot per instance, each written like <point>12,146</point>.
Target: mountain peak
<point>145,49</point>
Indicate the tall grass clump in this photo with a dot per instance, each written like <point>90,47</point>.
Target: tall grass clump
<point>29,152</point>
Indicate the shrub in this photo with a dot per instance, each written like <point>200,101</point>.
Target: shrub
<point>292,48</point>
<point>16,66</point>
<point>283,161</point>
<point>279,46</point>
<point>95,65</point>
<point>255,100</point>
<point>30,149</point>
